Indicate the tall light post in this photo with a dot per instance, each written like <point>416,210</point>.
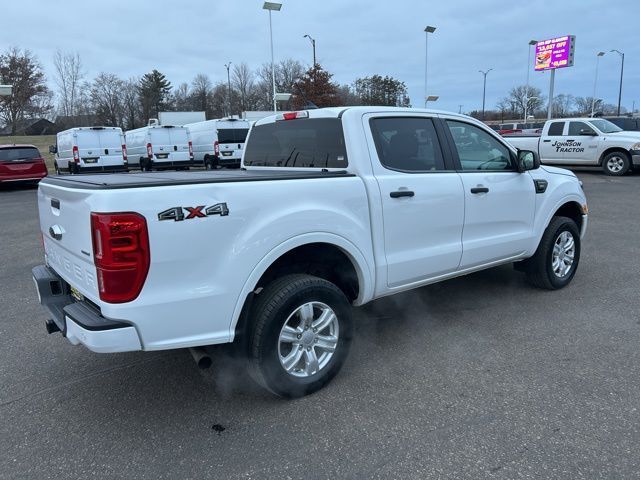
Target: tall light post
<point>526,93</point>
<point>313,44</point>
<point>621,74</point>
<point>595,82</point>
<point>228,66</point>
<point>484,88</point>
<point>272,6</point>
<point>428,29</point>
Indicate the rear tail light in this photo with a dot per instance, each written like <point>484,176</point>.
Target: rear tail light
<point>76,154</point>
<point>124,152</point>
<point>216,148</point>
<point>191,149</point>
<point>121,254</point>
<point>149,150</point>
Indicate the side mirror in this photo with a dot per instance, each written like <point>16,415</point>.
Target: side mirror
<point>588,133</point>
<point>53,149</point>
<point>528,160</point>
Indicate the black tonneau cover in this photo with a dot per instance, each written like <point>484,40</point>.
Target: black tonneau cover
<point>160,179</point>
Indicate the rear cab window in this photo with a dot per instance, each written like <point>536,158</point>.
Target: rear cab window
<point>298,143</point>
<point>18,154</point>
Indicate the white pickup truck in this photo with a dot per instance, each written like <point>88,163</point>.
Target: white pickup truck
<point>584,142</point>
<point>333,208</point>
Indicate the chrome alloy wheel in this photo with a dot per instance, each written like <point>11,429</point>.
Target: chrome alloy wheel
<point>564,251</point>
<point>308,339</point>
<point>615,164</point>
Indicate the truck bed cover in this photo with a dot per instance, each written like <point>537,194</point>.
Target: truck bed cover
<point>160,179</point>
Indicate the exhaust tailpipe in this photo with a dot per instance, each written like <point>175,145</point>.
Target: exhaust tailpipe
<point>201,357</point>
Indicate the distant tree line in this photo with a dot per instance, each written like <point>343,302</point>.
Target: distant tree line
<point>512,107</point>
<point>109,99</point>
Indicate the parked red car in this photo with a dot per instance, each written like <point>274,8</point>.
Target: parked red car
<point>21,163</point>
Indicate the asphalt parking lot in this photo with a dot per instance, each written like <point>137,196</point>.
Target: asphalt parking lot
<point>477,377</point>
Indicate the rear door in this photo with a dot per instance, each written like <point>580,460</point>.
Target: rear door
<point>499,200</point>
<point>231,139</point>
<point>161,144</point>
<point>422,200</point>
<point>179,143</point>
<point>88,143</point>
<point>110,148</point>
<point>551,143</point>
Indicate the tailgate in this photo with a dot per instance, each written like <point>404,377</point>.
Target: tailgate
<point>65,224</point>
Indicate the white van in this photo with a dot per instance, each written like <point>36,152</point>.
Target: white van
<point>218,142</point>
<point>159,147</point>
<point>90,149</point>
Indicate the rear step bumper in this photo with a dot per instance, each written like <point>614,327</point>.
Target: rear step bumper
<point>79,322</point>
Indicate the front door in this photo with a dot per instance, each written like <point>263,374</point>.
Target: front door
<point>580,145</point>
<point>422,201</point>
<point>499,200</point>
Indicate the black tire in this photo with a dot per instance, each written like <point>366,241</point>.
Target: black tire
<point>539,268</point>
<point>145,165</point>
<point>272,309</point>
<point>56,167</point>
<point>616,163</point>
<point>207,163</point>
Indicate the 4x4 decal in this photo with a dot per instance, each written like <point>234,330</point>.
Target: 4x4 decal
<point>177,214</point>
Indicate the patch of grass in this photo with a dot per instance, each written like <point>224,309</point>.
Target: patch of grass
<point>42,142</point>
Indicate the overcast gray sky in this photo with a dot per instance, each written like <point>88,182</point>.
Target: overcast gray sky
<point>354,38</point>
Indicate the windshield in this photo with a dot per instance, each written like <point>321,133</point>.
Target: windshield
<point>18,153</point>
<point>605,126</point>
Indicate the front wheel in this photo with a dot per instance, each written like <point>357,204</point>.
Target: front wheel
<point>300,335</point>
<point>616,163</point>
<point>556,260</point>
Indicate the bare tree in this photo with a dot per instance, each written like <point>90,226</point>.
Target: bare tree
<point>584,104</point>
<point>242,80</point>
<point>30,93</point>
<point>132,111</point>
<point>201,88</point>
<point>518,96</point>
<point>181,98</point>
<point>562,104</point>
<point>106,94</point>
<point>68,78</point>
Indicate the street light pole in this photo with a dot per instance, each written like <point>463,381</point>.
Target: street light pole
<point>272,6</point>
<point>595,82</point>
<point>526,93</point>
<point>484,88</point>
<point>621,74</point>
<point>228,66</point>
<point>428,29</point>
<point>313,44</point>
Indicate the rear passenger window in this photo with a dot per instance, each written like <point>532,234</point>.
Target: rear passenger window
<point>555,129</point>
<point>408,144</point>
<point>579,128</point>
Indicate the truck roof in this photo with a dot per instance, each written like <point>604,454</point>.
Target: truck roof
<point>338,112</point>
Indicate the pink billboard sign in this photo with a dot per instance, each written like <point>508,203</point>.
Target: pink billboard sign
<point>555,53</point>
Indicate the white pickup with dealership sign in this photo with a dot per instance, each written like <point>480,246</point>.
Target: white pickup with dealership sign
<point>584,142</point>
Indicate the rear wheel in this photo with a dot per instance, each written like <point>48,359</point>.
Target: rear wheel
<point>616,163</point>
<point>556,260</point>
<point>300,335</point>
<point>55,165</point>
